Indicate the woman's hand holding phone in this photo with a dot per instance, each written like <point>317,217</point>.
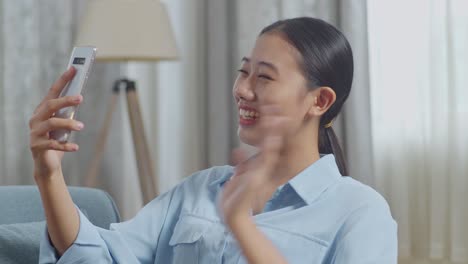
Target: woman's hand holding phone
<point>50,128</point>
<point>47,152</point>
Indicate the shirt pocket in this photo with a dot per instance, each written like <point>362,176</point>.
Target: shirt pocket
<point>186,238</point>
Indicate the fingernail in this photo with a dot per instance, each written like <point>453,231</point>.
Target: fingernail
<point>68,72</point>
<point>79,125</point>
<point>77,98</point>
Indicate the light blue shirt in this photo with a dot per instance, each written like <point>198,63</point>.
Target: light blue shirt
<point>317,217</point>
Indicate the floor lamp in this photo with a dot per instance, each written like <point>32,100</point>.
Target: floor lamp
<point>128,30</point>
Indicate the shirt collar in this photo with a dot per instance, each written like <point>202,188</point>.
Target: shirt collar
<point>310,183</point>
<point>315,179</point>
<point>218,181</point>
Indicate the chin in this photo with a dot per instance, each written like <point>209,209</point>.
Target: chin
<point>249,136</point>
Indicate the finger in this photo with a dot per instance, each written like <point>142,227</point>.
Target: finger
<point>51,106</point>
<point>267,159</point>
<point>246,164</point>
<point>57,87</point>
<point>50,144</point>
<point>55,123</point>
<point>230,186</point>
<point>239,183</point>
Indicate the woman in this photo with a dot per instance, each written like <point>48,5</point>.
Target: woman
<point>287,204</point>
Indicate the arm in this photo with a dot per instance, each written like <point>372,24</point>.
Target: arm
<point>60,212</point>
<point>133,241</point>
<point>257,248</point>
<point>47,153</point>
<point>250,188</point>
<point>70,237</point>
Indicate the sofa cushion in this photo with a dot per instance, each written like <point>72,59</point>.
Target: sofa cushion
<point>19,243</point>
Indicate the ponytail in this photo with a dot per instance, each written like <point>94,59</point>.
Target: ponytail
<point>329,144</point>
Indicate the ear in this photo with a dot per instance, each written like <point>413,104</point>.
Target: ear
<point>323,99</point>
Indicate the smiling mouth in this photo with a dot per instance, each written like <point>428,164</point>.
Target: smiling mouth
<point>248,114</point>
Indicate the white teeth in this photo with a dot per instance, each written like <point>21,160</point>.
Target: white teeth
<point>248,114</point>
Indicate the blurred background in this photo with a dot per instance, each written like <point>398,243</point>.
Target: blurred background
<point>403,128</point>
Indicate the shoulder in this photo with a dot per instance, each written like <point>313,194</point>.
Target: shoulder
<point>207,177</point>
<point>358,197</point>
<point>368,229</point>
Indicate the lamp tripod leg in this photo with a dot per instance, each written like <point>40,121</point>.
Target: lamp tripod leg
<point>91,176</point>
<point>146,176</point>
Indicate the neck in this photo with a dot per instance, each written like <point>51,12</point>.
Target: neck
<point>298,154</point>
<point>294,158</point>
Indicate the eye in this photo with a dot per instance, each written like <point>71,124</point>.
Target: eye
<point>243,72</point>
<point>263,76</point>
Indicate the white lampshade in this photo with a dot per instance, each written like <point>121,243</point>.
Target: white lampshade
<point>128,30</point>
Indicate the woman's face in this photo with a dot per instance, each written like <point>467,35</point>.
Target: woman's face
<point>271,75</point>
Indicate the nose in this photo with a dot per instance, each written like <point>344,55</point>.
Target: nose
<point>243,90</point>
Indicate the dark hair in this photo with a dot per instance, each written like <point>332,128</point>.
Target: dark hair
<point>327,60</point>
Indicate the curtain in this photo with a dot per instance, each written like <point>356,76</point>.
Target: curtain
<point>26,45</point>
<point>36,41</point>
<point>186,109</point>
<point>419,67</point>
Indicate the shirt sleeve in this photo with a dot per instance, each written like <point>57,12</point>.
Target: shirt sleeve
<point>133,241</point>
<point>368,236</point>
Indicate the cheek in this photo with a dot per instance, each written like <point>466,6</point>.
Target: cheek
<point>234,87</point>
<point>271,94</point>
<point>289,102</point>
<point>293,106</point>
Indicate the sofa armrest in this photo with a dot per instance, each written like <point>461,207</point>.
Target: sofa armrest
<point>22,204</point>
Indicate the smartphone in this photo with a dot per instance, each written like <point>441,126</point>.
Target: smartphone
<point>82,58</point>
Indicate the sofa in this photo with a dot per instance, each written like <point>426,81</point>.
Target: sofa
<point>22,219</point>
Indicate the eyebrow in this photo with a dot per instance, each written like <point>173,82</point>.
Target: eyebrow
<point>263,63</point>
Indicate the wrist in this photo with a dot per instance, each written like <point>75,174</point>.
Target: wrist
<point>43,176</point>
<point>240,222</point>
